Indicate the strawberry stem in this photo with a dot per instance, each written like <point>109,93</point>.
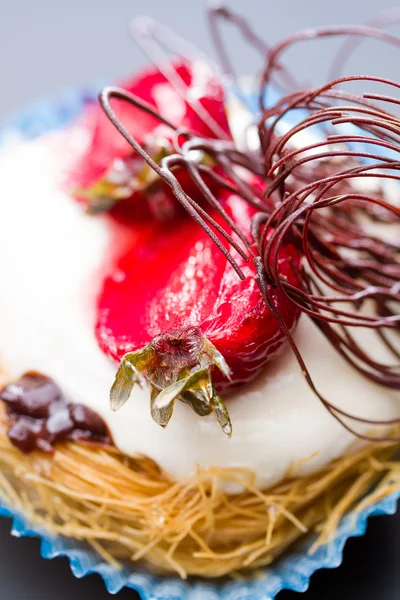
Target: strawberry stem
<point>123,178</point>
<point>176,365</point>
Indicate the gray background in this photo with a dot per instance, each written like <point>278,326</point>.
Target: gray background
<point>46,45</point>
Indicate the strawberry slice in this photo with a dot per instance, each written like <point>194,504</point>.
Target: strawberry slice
<point>111,176</point>
<point>177,316</point>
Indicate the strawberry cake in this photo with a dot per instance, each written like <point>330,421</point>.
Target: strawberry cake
<point>199,310</point>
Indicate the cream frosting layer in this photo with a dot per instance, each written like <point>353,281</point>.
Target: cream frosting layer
<point>52,254</point>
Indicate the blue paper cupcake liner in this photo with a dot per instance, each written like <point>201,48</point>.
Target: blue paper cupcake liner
<point>291,572</point>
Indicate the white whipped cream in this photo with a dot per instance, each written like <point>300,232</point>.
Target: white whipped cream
<point>50,255</point>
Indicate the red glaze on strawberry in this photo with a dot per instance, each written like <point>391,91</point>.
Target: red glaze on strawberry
<point>173,310</point>
<point>111,176</point>
<point>173,306</point>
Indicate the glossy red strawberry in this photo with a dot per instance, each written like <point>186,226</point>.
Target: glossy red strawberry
<point>178,317</point>
<point>111,176</point>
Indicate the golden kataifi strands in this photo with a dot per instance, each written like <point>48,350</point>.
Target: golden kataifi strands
<point>127,509</point>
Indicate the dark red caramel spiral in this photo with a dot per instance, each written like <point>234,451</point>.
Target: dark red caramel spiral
<point>309,199</point>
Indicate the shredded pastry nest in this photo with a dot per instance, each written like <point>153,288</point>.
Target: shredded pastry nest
<point>128,509</point>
